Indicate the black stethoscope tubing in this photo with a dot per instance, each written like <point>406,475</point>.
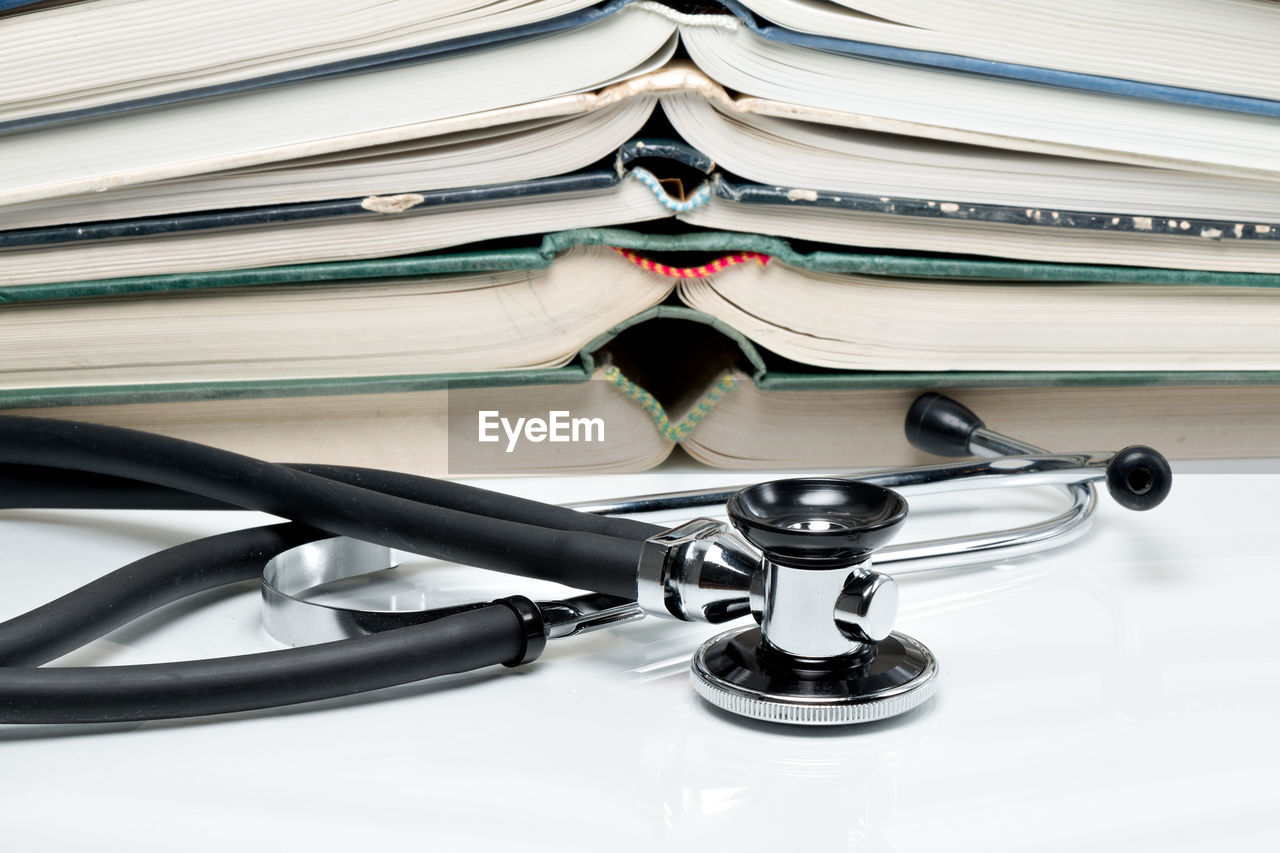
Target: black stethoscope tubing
<point>50,463</point>
<point>435,518</point>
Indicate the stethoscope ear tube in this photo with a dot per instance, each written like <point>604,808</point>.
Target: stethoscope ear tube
<point>490,635</point>
<point>93,610</point>
<point>585,553</point>
<point>510,631</point>
<point>44,487</point>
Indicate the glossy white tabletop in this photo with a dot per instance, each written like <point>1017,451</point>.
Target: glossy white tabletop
<point>1121,693</point>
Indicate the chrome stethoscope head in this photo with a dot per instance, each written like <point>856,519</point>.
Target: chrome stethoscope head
<point>824,652</point>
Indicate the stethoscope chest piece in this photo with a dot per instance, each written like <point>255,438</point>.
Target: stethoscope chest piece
<point>891,678</point>
<point>824,652</point>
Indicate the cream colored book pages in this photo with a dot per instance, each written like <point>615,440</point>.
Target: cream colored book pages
<point>835,429</point>
<point>852,322</point>
<point>375,327</point>
<point>1230,46</point>
<point>750,428</point>
<point>971,237</point>
<point>741,132</point>
<point>499,154</point>
<point>516,82</point>
<point>107,51</point>
<point>830,430</point>
<point>407,432</point>
<point>957,107</point>
<point>402,228</point>
<point>111,50</point>
<point>791,153</point>
<point>283,123</point>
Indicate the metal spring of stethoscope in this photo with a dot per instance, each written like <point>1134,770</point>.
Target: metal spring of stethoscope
<point>821,650</point>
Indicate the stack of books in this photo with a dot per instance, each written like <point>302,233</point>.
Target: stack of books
<point>344,232</point>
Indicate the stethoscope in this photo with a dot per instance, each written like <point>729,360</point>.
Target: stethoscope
<point>796,555</point>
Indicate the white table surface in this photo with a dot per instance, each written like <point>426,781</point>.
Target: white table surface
<point>1121,693</point>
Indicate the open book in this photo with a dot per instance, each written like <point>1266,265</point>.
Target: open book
<point>745,136</point>
<point>213,357</point>
<point>517,309</point>
<point>133,54</point>
<point>743,416</point>
<point>460,89</point>
<point>650,180</point>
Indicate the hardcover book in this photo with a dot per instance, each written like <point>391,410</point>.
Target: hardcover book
<point>528,330</point>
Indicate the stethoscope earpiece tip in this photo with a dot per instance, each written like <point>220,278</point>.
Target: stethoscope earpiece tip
<point>1139,478</point>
